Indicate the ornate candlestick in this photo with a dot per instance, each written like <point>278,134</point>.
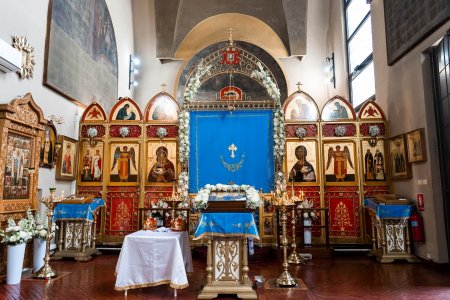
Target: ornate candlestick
<point>294,257</point>
<point>285,279</point>
<point>175,199</point>
<point>47,271</point>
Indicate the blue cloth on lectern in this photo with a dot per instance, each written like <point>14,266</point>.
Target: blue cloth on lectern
<point>226,224</point>
<point>388,210</point>
<point>77,211</point>
<point>231,148</point>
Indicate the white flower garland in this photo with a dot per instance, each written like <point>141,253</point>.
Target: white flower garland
<point>195,81</point>
<point>253,201</point>
<point>183,136</point>
<point>278,114</point>
<point>183,183</point>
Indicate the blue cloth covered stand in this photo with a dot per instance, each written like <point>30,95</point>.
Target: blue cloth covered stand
<point>226,224</point>
<point>388,211</point>
<point>77,211</point>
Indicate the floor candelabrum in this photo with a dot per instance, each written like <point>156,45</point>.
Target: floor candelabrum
<point>294,258</point>
<point>50,202</point>
<point>282,202</point>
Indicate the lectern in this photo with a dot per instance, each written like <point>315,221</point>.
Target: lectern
<point>226,230</point>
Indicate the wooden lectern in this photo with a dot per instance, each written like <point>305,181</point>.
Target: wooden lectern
<point>226,230</point>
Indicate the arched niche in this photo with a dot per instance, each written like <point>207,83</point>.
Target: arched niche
<point>338,109</point>
<point>219,73</point>
<point>94,113</point>
<point>300,107</point>
<point>371,111</point>
<point>125,110</point>
<point>162,108</point>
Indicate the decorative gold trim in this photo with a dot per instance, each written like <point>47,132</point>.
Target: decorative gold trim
<point>214,234</point>
<point>137,286</point>
<point>21,44</point>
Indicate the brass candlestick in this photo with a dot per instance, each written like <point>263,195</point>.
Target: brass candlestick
<point>285,279</point>
<point>47,271</point>
<point>175,199</point>
<point>294,257</point>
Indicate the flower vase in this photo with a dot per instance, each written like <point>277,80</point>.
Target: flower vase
<point>16,254</point>
<point>38,253</point>
<point>307,232</point>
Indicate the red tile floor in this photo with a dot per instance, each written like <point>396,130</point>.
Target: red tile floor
<point>349,276</point>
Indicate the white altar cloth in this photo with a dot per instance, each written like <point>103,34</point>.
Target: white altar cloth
<point>152,258</point>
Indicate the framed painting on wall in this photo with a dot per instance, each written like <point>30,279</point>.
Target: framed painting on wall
<point>302,162</point>
<point>91,162</point>
<point>66,162</point>
<point>47,152</point>
<point>415,141</point>
<point>340,163</point>
<point>373,160</point>
<point>400,167</point>
<point>81,62</point>
<point>124,163</point>
<point>161,162</point>
<point>16,181</point>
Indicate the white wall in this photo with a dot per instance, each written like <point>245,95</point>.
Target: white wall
<point>405,88</point>
<point>29,18</point>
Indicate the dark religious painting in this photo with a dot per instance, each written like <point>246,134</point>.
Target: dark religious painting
<point>408,22</point>
<point>400,166</point>
<point>47,151</point>
<point>374,160</point>
<point>18,160</point>
<point>302,161</point>
<point>81,53</point>
<point>66,161</point>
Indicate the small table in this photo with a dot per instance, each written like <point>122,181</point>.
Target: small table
<point>151,258</point>
<point>77,224</point>
<point>390,231</point>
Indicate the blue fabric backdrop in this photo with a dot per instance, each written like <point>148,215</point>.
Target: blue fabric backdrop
<point>211,162</point>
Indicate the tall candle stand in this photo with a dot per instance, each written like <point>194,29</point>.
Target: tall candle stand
<point>294,257</point>
<point>174,199</point>
<point>50,202</point>
<point>285,279</point>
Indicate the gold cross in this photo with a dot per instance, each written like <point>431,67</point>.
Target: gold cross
<point>298,86</point>
<point>163,87</point>
<point>230,38</point>
<point>232,148</point>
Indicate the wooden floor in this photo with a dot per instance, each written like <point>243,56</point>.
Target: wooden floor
<point>349,276</point>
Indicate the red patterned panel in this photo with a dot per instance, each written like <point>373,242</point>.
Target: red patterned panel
<point>135,131</point>
<point>172,130</point>
<point>96,191</point>
<point>364,128</point>
<point>121,210</point>
<point>153,193</point>
<point>328,129</point>
<point>311,130</point>
<point>345,211</point>
<point>100,130</point>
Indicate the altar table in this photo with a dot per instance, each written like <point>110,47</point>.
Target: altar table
<point>390,230</point>
<point>152,258</point>
<point>77,224</point>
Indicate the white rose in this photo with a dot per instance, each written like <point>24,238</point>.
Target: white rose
<point>8,229</point>
<point>43,232</point>
<point>12,239</point>
<point>16,228</point>
<point>23,234</point>
<point>39,227</point>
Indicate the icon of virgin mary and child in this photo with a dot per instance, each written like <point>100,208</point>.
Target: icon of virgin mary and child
<point>163,169</point>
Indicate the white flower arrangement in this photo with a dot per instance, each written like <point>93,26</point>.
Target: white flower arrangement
<point>159,204</point>
<point>374,130</point>
<point>278,114</point>
<point>161,132</point>
<point>41,228</point>
<point>340,130</point>
<point>183,183</point>
<point>124,131</point>
<point>20,233</point>
<point>195,81</point>
<point>280,181</point>
<point>300,132</point>
<point>92,132</point>
<point>253,201</point>
<point>308,214</point>
<point>183,136</point>
<point>182,214</point>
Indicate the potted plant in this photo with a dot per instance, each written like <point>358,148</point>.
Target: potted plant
<point>15,236</point>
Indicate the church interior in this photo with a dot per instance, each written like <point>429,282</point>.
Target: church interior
<point>196,149</point>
